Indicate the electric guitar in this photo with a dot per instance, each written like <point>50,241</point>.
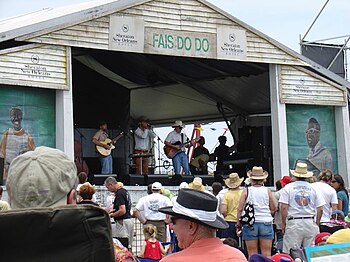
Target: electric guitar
<point>106,152</point>
<point>171,152</point>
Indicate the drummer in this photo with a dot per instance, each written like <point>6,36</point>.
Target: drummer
<point>144,136</point>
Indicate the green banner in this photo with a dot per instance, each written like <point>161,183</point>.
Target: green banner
<point>312,137</point>
<point>27,120</point>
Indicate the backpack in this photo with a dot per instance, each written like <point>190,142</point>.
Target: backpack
<point>248,214</point>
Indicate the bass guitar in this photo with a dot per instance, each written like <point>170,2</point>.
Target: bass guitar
<point>106,152</point>
<point>171,152</point>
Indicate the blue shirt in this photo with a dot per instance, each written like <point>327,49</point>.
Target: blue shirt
<point>343,197</point>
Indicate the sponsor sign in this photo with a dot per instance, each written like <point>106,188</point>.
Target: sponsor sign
<point>231,44</point>
<point>126,34</point>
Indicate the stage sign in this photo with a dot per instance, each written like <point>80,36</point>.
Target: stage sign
<point>312,137</point>
<point>126,34</point>
<point>231,44</point>
<point>180,43</point>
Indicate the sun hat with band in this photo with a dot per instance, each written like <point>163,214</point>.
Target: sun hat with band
<point>197,184</point>
<point>301,171</point>
<point>196,206</point>
<point>257,173</point>
<point>233,180</point>
<point>178,123</point>
<point>41,178</point>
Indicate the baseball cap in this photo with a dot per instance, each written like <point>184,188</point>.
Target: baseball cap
<point>41,178</point>
<point>157,186</point>
<point>281,257</point>
<point>321,237</point>
<point>285,180</point>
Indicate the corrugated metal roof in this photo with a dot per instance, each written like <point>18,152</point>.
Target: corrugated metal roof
<point>48,20</point>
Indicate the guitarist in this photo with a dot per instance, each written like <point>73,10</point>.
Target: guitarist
<point>177,137</point>
<point>100,136</point>
<point>144,135</point>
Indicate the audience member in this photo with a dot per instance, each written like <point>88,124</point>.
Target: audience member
<point>124,224</point>
<point>299,206</point>
<point>261,234</point>
<point>45,177</point>
<point>149,206</point>
<point>195,222</point>
<point>323,188</point>
<point>86,192</point>
<point>3,204</point>
<point>342,194</point>
<point>230,203</point>
<point>151,247</point>
<point>234,243</point>
<point>277,218</point>
<point>181,186</point>
<point>217,187</point>
<point>200,158</point>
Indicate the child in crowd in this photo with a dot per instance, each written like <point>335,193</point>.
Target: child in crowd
<point>151,247</point>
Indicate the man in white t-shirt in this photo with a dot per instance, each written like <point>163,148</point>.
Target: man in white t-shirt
<point>149,206</point>
<point>328,193</point>
<point>300,203</point>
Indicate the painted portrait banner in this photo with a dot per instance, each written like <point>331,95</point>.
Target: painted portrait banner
<point>312,137</point>
<point>27,120</point>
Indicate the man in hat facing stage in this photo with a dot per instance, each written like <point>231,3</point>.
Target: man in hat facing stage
<point>299,206</point>
<point>195,222</point>
<point>178,141</point>
<point>144,136</point>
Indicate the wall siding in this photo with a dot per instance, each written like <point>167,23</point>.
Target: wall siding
<point>183,15</point>
<point>35,65</point>
<point>298,86</point>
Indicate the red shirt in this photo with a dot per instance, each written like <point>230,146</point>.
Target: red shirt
<point>152,250</point>
<point>208,249</point>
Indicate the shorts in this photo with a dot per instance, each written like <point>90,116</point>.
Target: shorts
<point>261,230</point>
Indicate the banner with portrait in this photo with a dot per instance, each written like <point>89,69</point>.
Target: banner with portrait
<point>27,120</point>
<point>312,137</point>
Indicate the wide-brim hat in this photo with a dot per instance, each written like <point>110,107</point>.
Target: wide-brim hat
<point>301,171</point>
<point>196,206</point>
<point>257,173</point>
<point>178,123</point>
<point>233,180</point>
<point>196,184</point>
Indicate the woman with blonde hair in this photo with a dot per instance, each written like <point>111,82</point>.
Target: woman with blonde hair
<point>260,234</point>
<point>152,248</point>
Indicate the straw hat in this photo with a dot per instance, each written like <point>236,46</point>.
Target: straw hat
<point>257,173</point>
<point>301,171</point>
<point>178,123</point>
<point>233,181</point>
<point>197,184</point>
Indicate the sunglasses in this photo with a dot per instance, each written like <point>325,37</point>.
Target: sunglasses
<point>173,220</point>
<point>334,181</point>
<point>312,131</point>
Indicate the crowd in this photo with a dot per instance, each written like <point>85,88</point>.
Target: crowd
<point>231,223</point>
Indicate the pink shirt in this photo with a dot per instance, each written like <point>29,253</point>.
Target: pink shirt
<point>209,249</point>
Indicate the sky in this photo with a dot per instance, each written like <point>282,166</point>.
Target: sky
<point>282,20</point>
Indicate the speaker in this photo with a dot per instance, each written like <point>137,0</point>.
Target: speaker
<point>2,161</point>
<point>99,179</point>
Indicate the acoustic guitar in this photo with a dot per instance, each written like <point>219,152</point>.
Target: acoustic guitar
<point>172,152</point>
<point>106,152</point>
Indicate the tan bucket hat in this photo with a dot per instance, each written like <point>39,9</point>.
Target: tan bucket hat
<point>257,173</point>
<point>196,184</point>
<point>301,171</point>
<point>233,180</point>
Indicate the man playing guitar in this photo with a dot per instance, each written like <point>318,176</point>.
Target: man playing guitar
<point>100,136</point>
<point>176,137</point>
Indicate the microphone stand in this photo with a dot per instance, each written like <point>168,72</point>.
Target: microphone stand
<point>158,144</point>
